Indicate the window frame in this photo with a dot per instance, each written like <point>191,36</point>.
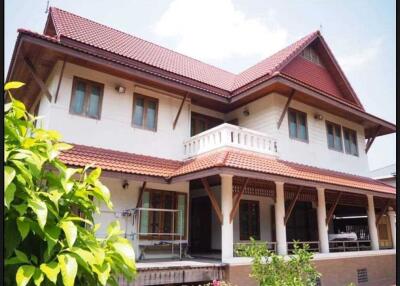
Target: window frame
<point>88,83</point>
<point>258,230</point>
<point>298,112</point>
<point>355,137</point>
<point>209,121</point>
<point>327,136</point>
<point>146,99</point>
<point>161,216</point>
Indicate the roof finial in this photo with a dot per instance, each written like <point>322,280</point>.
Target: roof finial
<point>320,28</point>
<point>47,7</point>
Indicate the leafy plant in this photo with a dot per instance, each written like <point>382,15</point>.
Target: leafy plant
<point>49,228</point>
<point>271,269</point>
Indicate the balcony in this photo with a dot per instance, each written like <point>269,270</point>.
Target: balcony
<point>227,135</point>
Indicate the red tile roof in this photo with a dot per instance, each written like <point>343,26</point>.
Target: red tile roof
<point>71,26</point>
<point>130,163</point>
<point>117,161</point>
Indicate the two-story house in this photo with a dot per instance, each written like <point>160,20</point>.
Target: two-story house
<point>198,159</point>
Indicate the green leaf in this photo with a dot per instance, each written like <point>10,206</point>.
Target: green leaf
<point>40,209</point>
<point>21,256</point>
<point>38,277</point>
<point>62,146</point>
<point>103,272</point>
<point>51,270</point>
<point>24,274</point>
<point>23,227</point>
<point>21,208</point>
<point>70,231</point>
<point>52,233</point>
<point>69,268</point>
<point>9,174</point>
<point>13,85</point>
<point>126,251</point>
<point>9,195</point>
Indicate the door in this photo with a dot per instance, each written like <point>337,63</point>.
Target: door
<point>200,231</point>
<point>385,237</point>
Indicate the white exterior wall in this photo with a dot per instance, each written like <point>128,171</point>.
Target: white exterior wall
<point>114,129</point>
<point>264,115</point>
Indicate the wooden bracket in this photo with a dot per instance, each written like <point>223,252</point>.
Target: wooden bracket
<point>213,200</point>
<point>383,211</point>
<point>38,80</point>
<point>286,108</point>
<point>292,203</point>
<point>179,111</point>
<point>370,141</point>
<point>139,201</point>
<point>332,209</point>
<point>59,81</point>
<point>236,201</point>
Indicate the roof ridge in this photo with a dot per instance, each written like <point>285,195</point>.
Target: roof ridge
<point>147,41</point>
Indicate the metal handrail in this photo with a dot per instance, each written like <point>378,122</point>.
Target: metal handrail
<point>247,242</point>
<point>302,243</point>
<point>348,245</point>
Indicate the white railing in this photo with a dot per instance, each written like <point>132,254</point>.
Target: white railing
<point>227,135</point>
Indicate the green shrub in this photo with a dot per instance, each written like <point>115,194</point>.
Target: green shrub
<point>46,242</point>
<point>271,269</point>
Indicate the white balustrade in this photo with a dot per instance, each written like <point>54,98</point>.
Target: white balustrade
<point>228,135</point>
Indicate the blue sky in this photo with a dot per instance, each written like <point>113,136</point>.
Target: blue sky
<point>235,34</point>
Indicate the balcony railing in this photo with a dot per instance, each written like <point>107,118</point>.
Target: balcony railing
<point>227,135</point>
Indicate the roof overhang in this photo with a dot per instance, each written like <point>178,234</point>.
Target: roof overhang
<point>45,51</point>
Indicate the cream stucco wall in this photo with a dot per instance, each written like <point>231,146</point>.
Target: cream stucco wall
<point>114,129</point>
<point>264,115</point>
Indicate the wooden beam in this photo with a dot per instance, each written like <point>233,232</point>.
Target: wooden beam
<point>236,201</point>
<point>383,211</point>
<point>369,143</point>
<point>213,200</point>
<point>179,111</point>
<point>292,203</point>
<point>59,81</point>
<point>139,201</point>
<point>286,107</point>
<point>38,80</point>
<point>333,207</point>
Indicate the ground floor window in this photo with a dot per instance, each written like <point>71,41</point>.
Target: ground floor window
<point>249,219</point>
<point>161,225</point>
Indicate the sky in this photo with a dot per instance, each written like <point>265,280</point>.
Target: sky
<point>236,34</point>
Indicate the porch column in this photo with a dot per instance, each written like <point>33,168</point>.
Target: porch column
<point>226,207</point>
<point>322,227</point>
<point>280,227</point>
<point>373,232</point>
<point>392,220</point>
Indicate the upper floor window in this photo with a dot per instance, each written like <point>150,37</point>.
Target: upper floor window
<point>350,141</point>
<point>249,219</point>
<point>310,54</point>
<point>87,97</point>
<point>334,136</point>
<point>200,123</point>
<point>297,124</point>
<point>145,112</point>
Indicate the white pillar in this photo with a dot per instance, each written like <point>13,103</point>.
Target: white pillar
<point>392,221</point>
<point>322,227</point>
<point>280,227</point>
<point>373,232</point>
<point>227,227</point>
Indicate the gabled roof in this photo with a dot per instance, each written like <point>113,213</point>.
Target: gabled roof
<point>65,25</point>
<point>130,163</point>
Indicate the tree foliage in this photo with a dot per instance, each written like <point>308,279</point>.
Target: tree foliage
<point>49,227</point>
<point>271,269</point>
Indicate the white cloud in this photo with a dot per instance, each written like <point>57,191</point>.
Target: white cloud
<point>360,58</point>
<point>216,30</point>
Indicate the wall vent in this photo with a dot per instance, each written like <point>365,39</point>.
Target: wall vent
<point>362,275</point>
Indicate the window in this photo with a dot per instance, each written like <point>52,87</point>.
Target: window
<point>334,134</point>
<point>145,112</point>
<point>87,97</point>
<point>163,222</point>
<point>200,123</point>
<point>297,124</point>
<point>249,220</point>
<point>310,54</point>
<point>350,141</point>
